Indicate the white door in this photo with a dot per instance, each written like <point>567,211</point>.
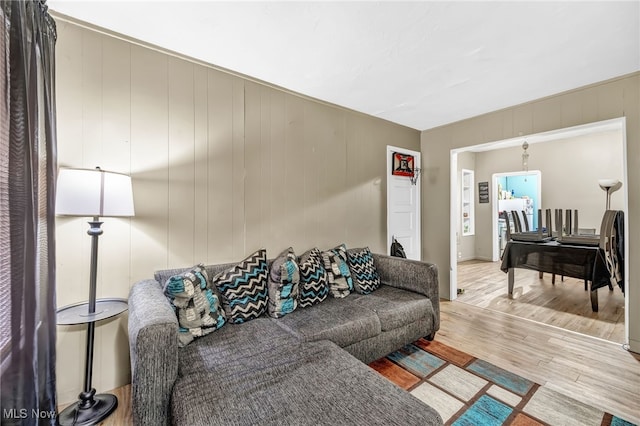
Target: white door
<point>403,205</point>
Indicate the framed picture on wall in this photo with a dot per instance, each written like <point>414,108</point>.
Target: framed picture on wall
<point>483,192</point>
<point>403,164</point>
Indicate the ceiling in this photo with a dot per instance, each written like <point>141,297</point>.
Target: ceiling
<point>419,64</point>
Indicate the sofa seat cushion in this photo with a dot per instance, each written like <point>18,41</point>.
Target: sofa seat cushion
<point>395,307</point>
<point>338,320</point>
<point>316,383</point>
<point>236,349</point>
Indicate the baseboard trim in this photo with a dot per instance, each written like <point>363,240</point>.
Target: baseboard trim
<point>486,259</point>
<point>464,259</point>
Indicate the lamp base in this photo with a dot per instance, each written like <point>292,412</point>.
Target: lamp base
<point>103,405</point>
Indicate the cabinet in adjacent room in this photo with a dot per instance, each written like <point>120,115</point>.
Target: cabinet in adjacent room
<point>467,212</point>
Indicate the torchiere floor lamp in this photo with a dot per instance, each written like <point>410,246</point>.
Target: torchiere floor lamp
<point>609,186</point>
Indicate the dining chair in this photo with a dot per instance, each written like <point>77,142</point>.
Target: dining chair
<point>558,228</point>
<point>525,222</point>
<point>548,231</point>
<point>548,223</point>
<point>517,225</point>
<point>568,228</point>
<point>505,214</point>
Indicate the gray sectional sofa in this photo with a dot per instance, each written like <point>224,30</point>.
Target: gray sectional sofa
<point>308,367</point>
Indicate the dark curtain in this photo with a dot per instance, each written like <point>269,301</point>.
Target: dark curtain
<point>27,193</point>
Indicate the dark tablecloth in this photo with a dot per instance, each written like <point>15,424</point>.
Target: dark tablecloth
<point>584,262</point>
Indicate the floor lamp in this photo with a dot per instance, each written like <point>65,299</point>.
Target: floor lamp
<point>609,186</point>
<point>92,193</point>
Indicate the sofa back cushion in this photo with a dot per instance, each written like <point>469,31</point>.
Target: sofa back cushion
<point>195,303</point>
<point>284,278</point>
<point>314,286</point>
<point>243,288</point>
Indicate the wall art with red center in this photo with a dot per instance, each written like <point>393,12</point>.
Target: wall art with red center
<point>403,165</point>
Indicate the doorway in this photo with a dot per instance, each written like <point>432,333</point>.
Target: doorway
<point>566,157</point>
<point>514,191</point>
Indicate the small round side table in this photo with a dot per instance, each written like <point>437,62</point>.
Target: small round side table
<point>90,408</point>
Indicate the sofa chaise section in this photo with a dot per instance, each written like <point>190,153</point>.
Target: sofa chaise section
<point>313,383</point>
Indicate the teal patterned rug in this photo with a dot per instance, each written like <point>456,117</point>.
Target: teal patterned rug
<point>469,391</point>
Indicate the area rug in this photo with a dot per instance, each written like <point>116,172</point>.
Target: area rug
<point>469,391</point>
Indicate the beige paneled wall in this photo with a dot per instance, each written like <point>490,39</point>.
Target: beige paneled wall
<point>611,99</point>
<point>221,166</point>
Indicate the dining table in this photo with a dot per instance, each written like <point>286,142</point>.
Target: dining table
<point>586,262</point>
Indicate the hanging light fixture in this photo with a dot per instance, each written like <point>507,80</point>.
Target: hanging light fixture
<point>525,156</point>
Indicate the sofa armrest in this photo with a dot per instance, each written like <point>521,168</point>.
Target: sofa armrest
<point>411,275</point>
<point>153,343</point>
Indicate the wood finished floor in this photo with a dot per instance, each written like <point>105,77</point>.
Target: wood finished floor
<point>565,304</point>
<point>593,371</point>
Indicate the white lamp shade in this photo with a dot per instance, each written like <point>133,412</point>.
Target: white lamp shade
<point>86,192</point>
<point>610,185</point>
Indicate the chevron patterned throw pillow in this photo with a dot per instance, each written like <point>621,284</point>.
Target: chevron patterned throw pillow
<point>195,304</point>
<point>314,286</point>
<point>363,271</point>
<point>244,288</point>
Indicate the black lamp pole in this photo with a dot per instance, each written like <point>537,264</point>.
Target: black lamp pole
<point>91,408</point>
